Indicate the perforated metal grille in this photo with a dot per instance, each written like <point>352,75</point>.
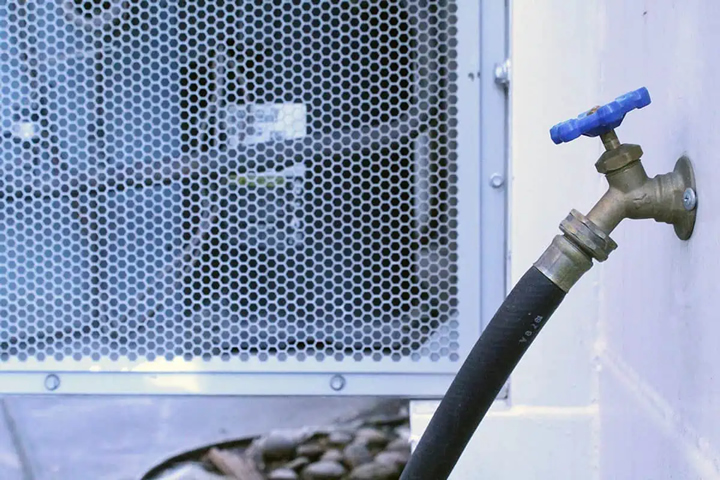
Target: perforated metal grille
<point>228,179</point>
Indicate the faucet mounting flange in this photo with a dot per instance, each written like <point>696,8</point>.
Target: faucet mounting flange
<point>686,221</point>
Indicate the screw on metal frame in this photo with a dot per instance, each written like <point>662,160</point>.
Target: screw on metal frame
<point>502,73</point>
<point>337,382</point>
<point>497,180</point>
<point>52,382</point>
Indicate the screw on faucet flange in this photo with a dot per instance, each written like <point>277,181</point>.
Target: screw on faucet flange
<point>689,199</point>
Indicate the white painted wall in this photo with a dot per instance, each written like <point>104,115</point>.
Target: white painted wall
<point>660,382</point>
<point>624,382</point>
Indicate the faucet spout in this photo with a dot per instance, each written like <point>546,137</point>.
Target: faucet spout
<point>632,194</point>
<point>667,198</point>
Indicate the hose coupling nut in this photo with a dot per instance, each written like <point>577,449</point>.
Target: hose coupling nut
<point>588,236</point>
<point>564,262</point>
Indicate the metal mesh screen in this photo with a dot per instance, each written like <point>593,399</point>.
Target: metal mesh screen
<point>228,179</point>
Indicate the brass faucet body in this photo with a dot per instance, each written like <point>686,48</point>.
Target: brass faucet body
<point>631,194</point>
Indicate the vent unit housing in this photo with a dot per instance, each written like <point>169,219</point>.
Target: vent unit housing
<point>240,196</point>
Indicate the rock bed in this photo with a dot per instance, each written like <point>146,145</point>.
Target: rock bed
<point>373,448</point>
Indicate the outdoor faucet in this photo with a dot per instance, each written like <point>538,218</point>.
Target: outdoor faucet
<point>669,198</point>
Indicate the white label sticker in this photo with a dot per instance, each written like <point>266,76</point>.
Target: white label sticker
<point>24,130</point>
<point>253,124</point>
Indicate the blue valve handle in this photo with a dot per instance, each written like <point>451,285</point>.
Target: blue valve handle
<point>601,120</point>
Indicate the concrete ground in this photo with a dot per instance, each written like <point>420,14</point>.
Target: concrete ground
<point>111,438</point>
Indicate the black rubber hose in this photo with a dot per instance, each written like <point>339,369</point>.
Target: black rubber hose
<point>485,371</point>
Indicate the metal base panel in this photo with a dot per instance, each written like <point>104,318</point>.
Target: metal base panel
<point>247,197</point>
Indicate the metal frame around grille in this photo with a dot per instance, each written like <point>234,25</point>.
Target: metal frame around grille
<point>248,197</point>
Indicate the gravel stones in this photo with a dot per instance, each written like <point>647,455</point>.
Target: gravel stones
<point>298,463</point>
<point>333,455</point>
<point>283,474</point>
<point>277,446</point>
<point>403,432</point>
<point>357,454</point>
<point>398,445</point>
<point>312,451</point>
<point>324,470</point>
<point>376,448</point>
<point>340,438</point>
<point>371,437</point>
<point>375,471</point>
<point>395,459</point>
